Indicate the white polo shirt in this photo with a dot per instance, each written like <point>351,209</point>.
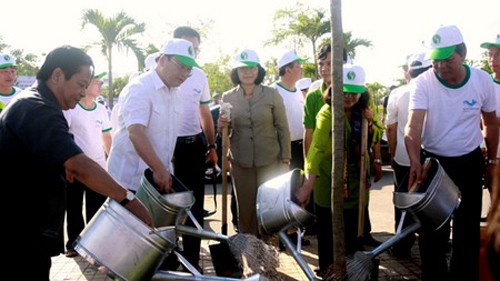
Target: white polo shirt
<point>397,112</point>
<point>195,91</point>
<point>146,101</point>
<point>294,106</point>
<point>453,118</point>
<point>87,127</point>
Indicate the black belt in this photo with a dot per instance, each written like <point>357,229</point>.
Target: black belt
<point>190,139</point>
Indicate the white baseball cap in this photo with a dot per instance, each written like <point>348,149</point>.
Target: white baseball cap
<point>353,79</point>
<point>288,57</point>
<point>486,45</point>
<point>182,50</point>
<point>418,61</point>
<point>246,57</point>
<point>150,61</point>
<point>304,83</point>
<point>443,42</point>
<point>7,60</point>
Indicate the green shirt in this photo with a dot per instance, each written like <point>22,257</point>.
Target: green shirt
<point>312,104</point>
<point>319,161</point>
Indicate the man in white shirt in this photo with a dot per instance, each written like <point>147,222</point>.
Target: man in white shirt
<point>195,146</point>
<point>449,102</point>
<point>397,117</point>
<point>290,71</point>
<point>149,118</point>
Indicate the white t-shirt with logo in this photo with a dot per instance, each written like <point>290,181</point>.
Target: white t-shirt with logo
<point>194,91</point>
<point>87,126</point>
<point>453,117</point>
<point>6,98</point>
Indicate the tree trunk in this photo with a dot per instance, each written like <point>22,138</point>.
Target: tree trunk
<point>337,197</point>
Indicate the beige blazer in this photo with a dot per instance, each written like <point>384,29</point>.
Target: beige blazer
<point>259,133</point>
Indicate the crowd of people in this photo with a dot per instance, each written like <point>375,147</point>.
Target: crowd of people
<point>71,148</point>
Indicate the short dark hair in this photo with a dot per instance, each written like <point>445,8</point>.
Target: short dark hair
<point>186,31</point>
<point>416,72</point>
<point>260,77</point>
<point>327,48</point>
<point>461,49</point>
<point>282,69</point>
<point>69,59</point>
<point>324,50</point>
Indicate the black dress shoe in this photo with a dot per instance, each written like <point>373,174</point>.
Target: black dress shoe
<point>370,241</point>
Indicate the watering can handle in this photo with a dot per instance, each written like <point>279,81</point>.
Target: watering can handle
<point>425,171</point>
<point>395,239</point>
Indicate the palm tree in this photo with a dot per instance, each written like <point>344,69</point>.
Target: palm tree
<point>300,22</point>
<point>119,31</point>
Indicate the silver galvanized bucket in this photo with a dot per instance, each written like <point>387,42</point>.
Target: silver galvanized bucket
<point>123,244</point>
<point>435,201</point>
<point>164,208</point>
<point>275,205</point>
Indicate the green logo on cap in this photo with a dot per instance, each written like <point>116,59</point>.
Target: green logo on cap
<point>436,39</point>
<point>351,75</point>
<point>6,57</point>
<point>190,51</point>
<point>244,56</point>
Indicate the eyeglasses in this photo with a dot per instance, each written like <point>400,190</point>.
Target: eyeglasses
<point>185,69</point>
<point>247,69</point>
<point>493,55</point>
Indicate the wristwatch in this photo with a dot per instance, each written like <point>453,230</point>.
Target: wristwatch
<point>128,197</point>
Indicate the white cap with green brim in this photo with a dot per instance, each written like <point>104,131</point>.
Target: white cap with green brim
<point>486,45</point>
<point>303,83</point>
<point>7,60</point>
<point>182,50</point>
<point>353,78</point>
<point>418,61</point>
<point>246,57</point>
<point>444,42</point>
<point>288,57</point>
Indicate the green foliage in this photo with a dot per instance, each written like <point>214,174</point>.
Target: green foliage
<point>118,84</point>
<point>218,75</point>
<point>300,23</point>
<point>118,31</point>
<point>26,63</point>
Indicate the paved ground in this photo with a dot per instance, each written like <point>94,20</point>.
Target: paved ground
<point>381,212</point>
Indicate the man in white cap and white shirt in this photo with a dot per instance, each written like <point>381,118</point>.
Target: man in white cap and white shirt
<point>397,117</point>
<point>195,146</point>
<point>149,119</point>
<point>8,74</point>
<point>449,102</point>
<point>290,71</point>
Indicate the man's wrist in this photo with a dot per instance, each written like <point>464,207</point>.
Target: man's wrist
<point>212,146</point>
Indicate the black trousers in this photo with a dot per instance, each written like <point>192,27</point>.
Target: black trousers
<point>466,172</point>
<point>401,185</point>
<point>189,168</point>
<point>74,206</point>
<point>325,234</point>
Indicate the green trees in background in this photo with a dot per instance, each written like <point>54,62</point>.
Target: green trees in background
<point>118,31</point>
<point>27,64</point>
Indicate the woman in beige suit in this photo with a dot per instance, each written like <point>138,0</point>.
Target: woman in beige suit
<point>259,135</point>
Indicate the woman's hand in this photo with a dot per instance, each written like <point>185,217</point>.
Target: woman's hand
<point>368,114</point>
<point>223,123</point>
